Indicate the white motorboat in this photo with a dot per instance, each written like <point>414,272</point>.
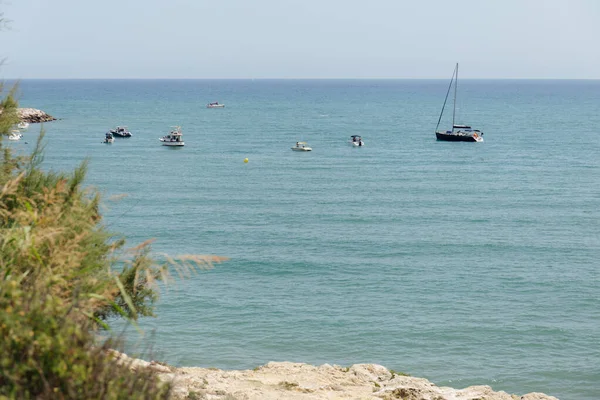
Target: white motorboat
<point>356,140</point>
<point>23,125</point>
<point>301,146</point>
<point>121,131</point>
<point>108,138</point>
<point>174,138</point>
<point>215,105</point>
<point>15,135</point>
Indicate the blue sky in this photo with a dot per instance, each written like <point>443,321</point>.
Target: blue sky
<point>300,39</point>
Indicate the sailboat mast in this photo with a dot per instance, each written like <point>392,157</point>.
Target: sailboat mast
<point>455,85</point>
<point>445,101</point>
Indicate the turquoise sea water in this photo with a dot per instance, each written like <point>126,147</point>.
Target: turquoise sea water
<point>463,263</point>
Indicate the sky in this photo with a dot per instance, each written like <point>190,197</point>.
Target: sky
<point>239,39</point>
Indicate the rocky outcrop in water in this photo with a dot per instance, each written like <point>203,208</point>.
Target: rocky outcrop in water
<point>295,381</point>
<point>33,115</point>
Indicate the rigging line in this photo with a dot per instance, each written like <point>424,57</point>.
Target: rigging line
<point>445,100</point>
<point>125,212</point>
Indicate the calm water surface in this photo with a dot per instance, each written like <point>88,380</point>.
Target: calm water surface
<point>463,263</point>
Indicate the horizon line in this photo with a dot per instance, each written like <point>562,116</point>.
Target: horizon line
<point>298,79</point>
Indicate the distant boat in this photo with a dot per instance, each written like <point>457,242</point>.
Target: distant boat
<point>174,138</point>
<point>108,138</point>
<point>356,140</point>
<point>215,105</point>
<point>121,132</point>
<point>459,133</point>
<point>15,134</point>
<point>23,125</point>
<point>301,146</point>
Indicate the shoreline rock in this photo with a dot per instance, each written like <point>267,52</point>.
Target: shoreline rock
<point>297,381</point>
<point>34,116</point>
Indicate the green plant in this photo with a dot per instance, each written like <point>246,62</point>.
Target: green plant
<point>45,353</point>
<point>394,373</point>
<point>193,395</point>
<point>62,276</point>
<point>289,385</point>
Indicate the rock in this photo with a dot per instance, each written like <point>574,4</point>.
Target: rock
<point>33,115</point>
<point>296,381</point>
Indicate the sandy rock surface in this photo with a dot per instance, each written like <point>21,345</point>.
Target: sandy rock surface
<point>296,381</point>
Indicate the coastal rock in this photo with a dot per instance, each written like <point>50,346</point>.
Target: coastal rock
<point>296,381</point>
<point>33,115</point>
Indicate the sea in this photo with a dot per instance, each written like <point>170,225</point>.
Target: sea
<point>463,263</point>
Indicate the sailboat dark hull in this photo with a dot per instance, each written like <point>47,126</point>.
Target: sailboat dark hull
<point>451,137</point>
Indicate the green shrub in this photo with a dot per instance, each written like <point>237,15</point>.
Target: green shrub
<point>47,354</point>
<point>62,276</point>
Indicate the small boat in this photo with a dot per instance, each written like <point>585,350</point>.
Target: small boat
<point>15,135</point>
<point>174,138</point>
<point>356,140</point>
<point>215,105</point>
<point>23,125</point>
<point>301,146</point>
<point>458,133</point>
<point>120,132</point>
<point>108,138</point>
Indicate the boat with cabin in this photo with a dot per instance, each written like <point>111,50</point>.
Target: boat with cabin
<point>23,125</point>
<point>174,138</point>
<point>301,146</point>
<point>216,104</point>
<point>356,140</point>
<point>458,133</point>
<point>108,138</point>
<point>121,132</point>
<point>15,134</point>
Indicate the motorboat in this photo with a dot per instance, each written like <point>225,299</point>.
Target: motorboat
<point>15,135</point>
<point>108,138</point>
<point>174,138</point>
<point>356,140</point>
<point>23,125</point>
<point>121,132</point>
<point>301,146</point>
<point>458,133</point>
<point>215,105</point>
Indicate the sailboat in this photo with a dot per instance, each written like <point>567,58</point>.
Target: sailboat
<point>459,133</point>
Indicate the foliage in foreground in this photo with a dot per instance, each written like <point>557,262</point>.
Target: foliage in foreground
<point>46,354</point>
<point>62,277</point>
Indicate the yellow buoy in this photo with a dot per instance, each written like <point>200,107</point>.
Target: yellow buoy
<point>245,160</point>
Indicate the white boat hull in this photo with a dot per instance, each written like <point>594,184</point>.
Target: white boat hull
<point>172,144</point>
<point>301,148</point>
<point>215,106</point>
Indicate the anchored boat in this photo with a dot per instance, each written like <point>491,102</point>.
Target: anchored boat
<point>458,133</point>
<point>301,146</point>
<point>174,138</point>
<point>356,140</point>
<point>121,132</point>
<point>108,138</point>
